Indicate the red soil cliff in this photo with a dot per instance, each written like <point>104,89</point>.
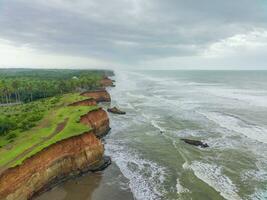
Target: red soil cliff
<point>98,95</point>
<point>58,160</point>
<point>86,102</point>
<point>106,82</point>
<point>98,120</point>
<point>70,156</point>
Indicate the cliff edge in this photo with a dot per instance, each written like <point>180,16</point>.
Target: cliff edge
<point>98,95</point>
<point>70,156</point>
<point>58,160</point>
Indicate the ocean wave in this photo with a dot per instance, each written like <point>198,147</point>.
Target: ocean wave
<point>145,177</point>
<point>179,188</point>
<point>161,104</point>
<point>212,175</point>
<point>156,125</point>
<point>171,81</point>
<point>259,195</point>
<point>257,175</point>
<point>137,96</point>
<point>187,133</point>
<point>251,97</point>
<point>237,125</point>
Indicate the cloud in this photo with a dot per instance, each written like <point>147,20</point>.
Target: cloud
<point>251,41</point>
<point>131,32</point>
<point>25,56</point>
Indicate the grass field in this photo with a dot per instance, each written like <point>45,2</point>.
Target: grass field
<point>59,121</point>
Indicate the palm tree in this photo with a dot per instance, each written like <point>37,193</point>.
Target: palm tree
<point>30,90</point>
<point>2,91</point>
<point>15,88</point>
<point>6,90</point>
<point>62,87</point>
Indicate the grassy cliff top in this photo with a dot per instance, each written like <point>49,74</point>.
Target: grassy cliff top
<point>55,121</point>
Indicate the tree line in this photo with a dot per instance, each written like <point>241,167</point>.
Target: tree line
<point>29,85</point>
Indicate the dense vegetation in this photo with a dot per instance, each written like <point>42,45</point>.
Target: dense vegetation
<point>26,85</point>
<point>20,88</point>
<point>45,131</point>
<point>34,103</point>
<point>22,117</point>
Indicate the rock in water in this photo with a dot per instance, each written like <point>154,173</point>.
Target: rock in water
<point>115,110</point>
<point>195,143</point>
<point>106,161</point>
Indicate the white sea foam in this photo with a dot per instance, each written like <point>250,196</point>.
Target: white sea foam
<point>157,126</point>
<point>237,125</point>
<point>258,175</point>
<point>137,96</point>
<point>186,165</point>
<point>212,175</point>
<point>179,188</point>
<point>259,195</point>
<point>251,97</point>
<point>188,133</point>
<point>146,178</point>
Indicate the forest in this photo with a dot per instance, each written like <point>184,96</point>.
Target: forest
<point>27,94</point>
<point>26,85</point>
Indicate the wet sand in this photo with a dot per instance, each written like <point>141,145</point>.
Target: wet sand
<point>109,184</point>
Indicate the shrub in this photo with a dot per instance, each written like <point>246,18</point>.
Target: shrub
<point>6,125</point>
<point>11,136</point>
<point>10,141</point>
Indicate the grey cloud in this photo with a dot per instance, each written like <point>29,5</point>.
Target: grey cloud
<point>127,31</point>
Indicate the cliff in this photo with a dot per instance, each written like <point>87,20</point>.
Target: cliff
<point>58,160</point>
<point>86,102</point>
<point>98,120</point>
<point>67,157</point>
<point>98,95</point>
<point>106,82</point>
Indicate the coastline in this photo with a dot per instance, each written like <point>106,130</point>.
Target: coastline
<point>68,158</point>
<point>107,184</point>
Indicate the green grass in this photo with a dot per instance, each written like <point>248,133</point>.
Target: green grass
<point>45,127</point>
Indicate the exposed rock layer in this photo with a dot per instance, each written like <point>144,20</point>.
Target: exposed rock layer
<point>106,82</point>
<point>58,160</point>
<point>98,95</point>
<point>72,155</point>
<point>98,120</point>
<point>86,102</point>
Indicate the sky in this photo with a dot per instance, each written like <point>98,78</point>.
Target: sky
<point>134,34</point>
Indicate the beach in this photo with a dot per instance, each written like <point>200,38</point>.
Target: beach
<point>108,184</point>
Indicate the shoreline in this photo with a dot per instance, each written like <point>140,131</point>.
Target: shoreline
<point>107,184</point>
<point>54,164</point>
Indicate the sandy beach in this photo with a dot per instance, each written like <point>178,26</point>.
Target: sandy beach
<point>108,184</point>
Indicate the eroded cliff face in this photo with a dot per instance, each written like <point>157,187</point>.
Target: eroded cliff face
<point>86,102</point>
<point>106,82</point>
<point>98,95</point>
<point>71,155</point>
<point>98,120</point>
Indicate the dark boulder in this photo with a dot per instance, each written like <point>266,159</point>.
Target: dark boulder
<point>106,161</point>
<point>115,110</point>
<point>195,143</point>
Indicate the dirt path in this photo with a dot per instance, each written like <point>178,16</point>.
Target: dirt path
<point>58,129</point>
<point>45,121</point>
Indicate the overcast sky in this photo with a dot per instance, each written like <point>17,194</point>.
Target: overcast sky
<point>134,34</point>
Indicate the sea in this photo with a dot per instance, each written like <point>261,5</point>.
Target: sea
<point>225,109</point>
